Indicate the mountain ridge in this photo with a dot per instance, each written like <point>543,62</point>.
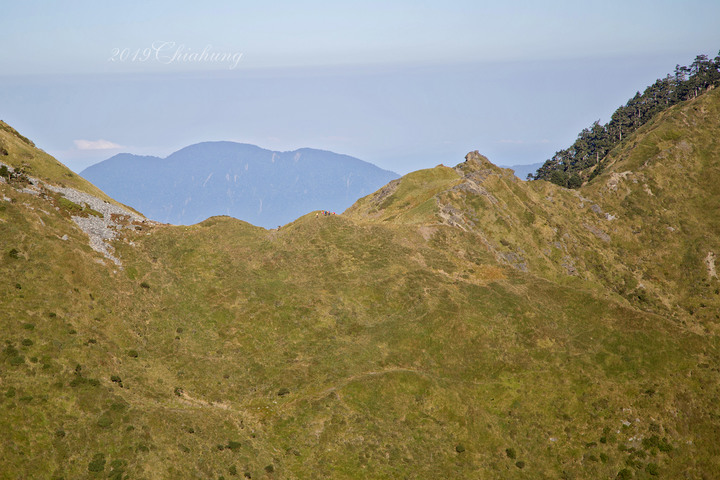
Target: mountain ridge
<point>456,323</point>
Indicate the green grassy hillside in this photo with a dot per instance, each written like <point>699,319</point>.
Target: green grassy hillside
<point>458,323</point>
<point>21,154</point>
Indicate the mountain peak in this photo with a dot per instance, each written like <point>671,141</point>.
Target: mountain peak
<point>264,187</point>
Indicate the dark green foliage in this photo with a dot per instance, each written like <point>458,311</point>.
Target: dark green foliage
<point>145,285</point>
<point>652,469</point>
<point>574,181</point>
<point>17,360</point>
<point>4,172</point>
<point>283,391</point>
<point>14,253</point>
<point>178,391</point>
<point>269,469</point>
<point>29,326</point>
<point>117,469</point>
<point>510,452</point>
<point>656,442</point>
<point>133,353</point>
<point>10,350</point>
<point>97,464</point>
<point>60,433</point>
<point>459,448</point>
<point>520,464</point>
<point>624,474</point>
<point>233,445</point>
<point>584,159</point>
<point>232,470</point>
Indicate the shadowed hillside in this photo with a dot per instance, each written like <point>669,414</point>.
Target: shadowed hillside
<point>457,323</point>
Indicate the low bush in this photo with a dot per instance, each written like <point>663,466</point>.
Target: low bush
<point>97,464</point>
<point>624,474</point>
<point>654,441</point>
<point>17,360</point>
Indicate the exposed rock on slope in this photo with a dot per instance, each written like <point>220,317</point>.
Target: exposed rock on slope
<point>99,219</point>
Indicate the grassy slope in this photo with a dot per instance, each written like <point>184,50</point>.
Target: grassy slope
<point>401,340</point>
<point>668,195</point>
<point>19,152</point>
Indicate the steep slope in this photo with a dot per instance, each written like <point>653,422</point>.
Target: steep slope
<point>666,185</point>
<point>643,229</point>
<point>588,155</point>
<point>458,323</point>
<point>20,153</point>
<point>260,186</point>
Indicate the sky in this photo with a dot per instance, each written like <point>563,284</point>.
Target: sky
<point>405,85</point>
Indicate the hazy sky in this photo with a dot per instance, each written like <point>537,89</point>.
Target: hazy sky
<point>402,84</point>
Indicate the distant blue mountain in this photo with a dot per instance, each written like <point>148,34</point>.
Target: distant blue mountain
<point>521,171</point>
<point>244,181</point>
